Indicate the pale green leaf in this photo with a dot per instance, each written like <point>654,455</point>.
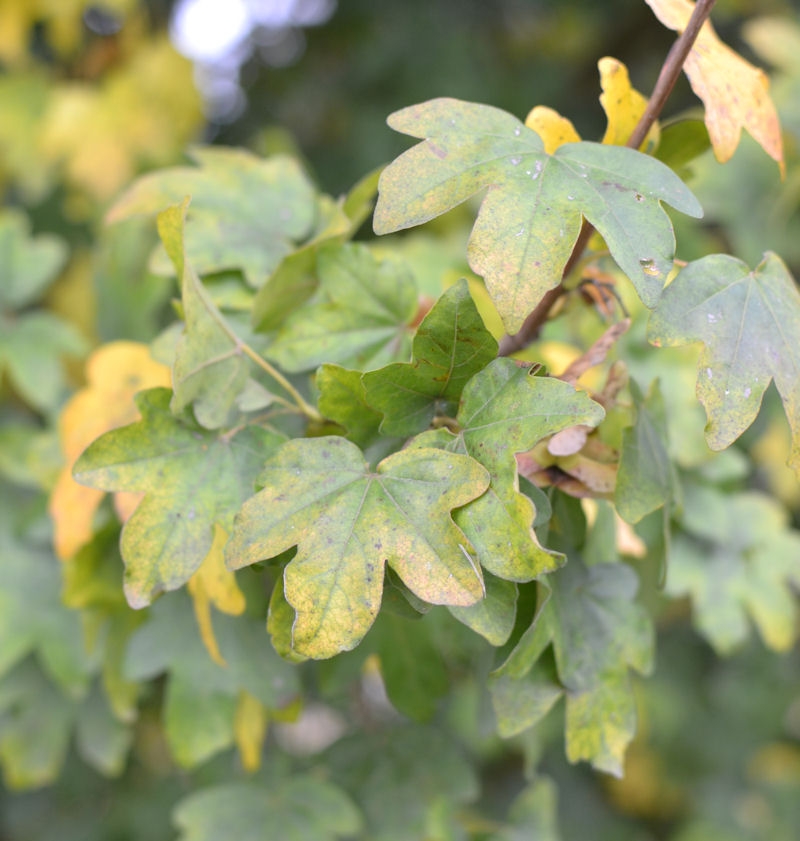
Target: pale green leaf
<point>451,344</point>
<point>493,616</point>
<point>741,561</point>
<point>28,265</point>
<point>347,522</point>
<point>210,371</point>
<point>531,215</point>
<point>748,321</point>
<point>247,212</point>
<point>359,315</point>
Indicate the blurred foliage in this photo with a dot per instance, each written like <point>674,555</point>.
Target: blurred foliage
<point>114,724</point>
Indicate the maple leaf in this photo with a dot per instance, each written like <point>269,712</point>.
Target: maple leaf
<point>531,215</point>
<point>191,478</point>
<point>114,373</point>
<point>740,560</point>
<point>450,345</point>
<point>748,321</point>
<point>347,522</point>
<point>597,632</point>
<point>358,316</point>
<point>734,93</point>
<point>246,212</point>
<point>505,411</point>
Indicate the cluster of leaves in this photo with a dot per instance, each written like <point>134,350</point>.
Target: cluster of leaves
<point>341,515</point>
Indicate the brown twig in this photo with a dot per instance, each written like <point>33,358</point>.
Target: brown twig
<point>671,69</point>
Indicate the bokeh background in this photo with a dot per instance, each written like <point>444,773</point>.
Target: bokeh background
<point>93,94</point>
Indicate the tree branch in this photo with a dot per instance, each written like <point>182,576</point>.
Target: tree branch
<point>671,69</point>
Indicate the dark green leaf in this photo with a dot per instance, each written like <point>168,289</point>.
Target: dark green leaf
<point>450,346</point>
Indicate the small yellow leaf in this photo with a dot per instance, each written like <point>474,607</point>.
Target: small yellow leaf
<point>214,584</point>
<point>250,729</point>
<point>623,105</point>
<point>114,373</point>
<point>554,129</point>
<point>734,92</point>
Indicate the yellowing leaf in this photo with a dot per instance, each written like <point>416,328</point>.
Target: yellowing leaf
<point>250,729</point>
<point>554,129</point>
<point>734,93</point>
<point>115,372</point>
<point>214,584</point>
<point>145,111</point>
<point>623,105</point>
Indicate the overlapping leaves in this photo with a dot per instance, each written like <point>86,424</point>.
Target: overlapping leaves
<point>531,216</point>
<point>504,410</point>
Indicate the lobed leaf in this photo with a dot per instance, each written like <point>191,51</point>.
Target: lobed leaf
<point>192,479</point>
<point>347,522</point>
<point>748,321</point>
<point>531,215</point>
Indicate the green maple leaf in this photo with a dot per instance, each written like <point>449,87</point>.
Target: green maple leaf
<point>533,814</point>
<point>531,216</point>
<point>451,344</point>
<point>343,400</point>
<point>291,808</point>
<point>358,316</point>
<point>505,411</point>
<point>28,265</point>
<point>749,321</point>
<point>347,522</point>
<point>741,560</point>
<point>597,632</point>
<point>493,616</point>
<point>192,479</point>
<point>247,212</point>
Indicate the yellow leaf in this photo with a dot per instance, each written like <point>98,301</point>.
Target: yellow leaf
<point>114,372</point>
<point>250,729</point>
<point>214,584</point>
<point>554,129</point>
<point>735,94</point>
<point>623,105</point>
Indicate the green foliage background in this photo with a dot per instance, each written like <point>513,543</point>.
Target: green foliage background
<point>132,740</point>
